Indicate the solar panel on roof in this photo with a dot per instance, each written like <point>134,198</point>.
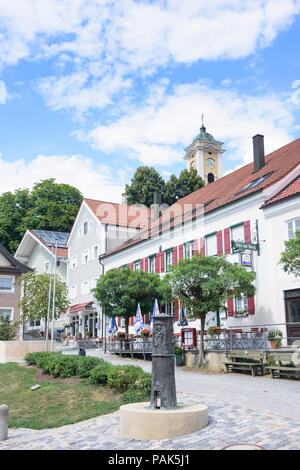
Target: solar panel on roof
<point>50,237</point>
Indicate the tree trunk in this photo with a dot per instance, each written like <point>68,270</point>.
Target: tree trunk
<point>201,349</point>
<point>126,326</point>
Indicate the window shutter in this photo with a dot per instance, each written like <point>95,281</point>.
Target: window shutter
<point>219,243</point>
<point>162,261</point>
<point>202,246</point>
<point>227,247</point>
<point>146,265</point>
<point>251,306</point>
<point>142,264</point>
<point>180,251</point>
<point>230,307</point>
<point>119,321</point>
<point>176,310</point>
<point>175,256</point>
<point>247,232</point>
<point>131,266</point>
<point>157,262</point>
<point>195,247</point>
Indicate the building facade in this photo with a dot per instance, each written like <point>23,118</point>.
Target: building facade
<point>220,218</point>
<point>10,293</point>
<point>98,228</point>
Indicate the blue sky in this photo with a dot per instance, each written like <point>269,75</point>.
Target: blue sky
<point>92,89</point>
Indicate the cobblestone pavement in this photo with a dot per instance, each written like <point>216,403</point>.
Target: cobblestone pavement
<point>242,409</point>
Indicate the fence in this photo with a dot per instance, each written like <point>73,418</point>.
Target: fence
<point>235,337</point>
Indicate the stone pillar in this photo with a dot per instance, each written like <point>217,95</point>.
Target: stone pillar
<point>3,422</point>
<point>163,364</point>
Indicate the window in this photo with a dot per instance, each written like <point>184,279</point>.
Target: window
<point>96,252</point>
<point>74,262</point>
<point>73,291</point>
<point>188,250</point>
<point>152,264</point>
<point>137,265</point>
<point>85,257</point>
<point>241,305</point>
<point>292,227</point>
<point>85,228</point>
<point>35,323</point>
<point>6,313</point>
<point>47,267</point>
<point>6,284</point>
<point>169,259</point>
<point>85,289</point>
<point>211,245</point>
<point>237,233</point>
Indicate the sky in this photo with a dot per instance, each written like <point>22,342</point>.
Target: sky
<point>92,89</point>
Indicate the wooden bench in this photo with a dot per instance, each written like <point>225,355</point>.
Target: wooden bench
<point>255,362</point>
<point>280,370</point>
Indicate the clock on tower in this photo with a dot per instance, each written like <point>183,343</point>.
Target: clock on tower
<point>206,155</point>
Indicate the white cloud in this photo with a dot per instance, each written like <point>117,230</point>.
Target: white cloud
<point>157,133</point>
<point>105,43</point>
<point>3,93</point>
<point>98,181</point>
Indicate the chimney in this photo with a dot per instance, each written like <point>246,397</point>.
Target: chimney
<point>157,204</point>
<point>258,152</point>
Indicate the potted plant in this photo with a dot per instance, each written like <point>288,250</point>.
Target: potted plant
<point>241,313</point>
<point>145,333</point>
<point>178,355</point>
<point>121,335</point>
<point>214,330</point>
<point>275,338</point>
<point>78,335</point>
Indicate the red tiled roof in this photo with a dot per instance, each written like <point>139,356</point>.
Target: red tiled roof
<point>232,187</point>
<point>119,214</point>
<point>291,190</point>
<point>78,307</point>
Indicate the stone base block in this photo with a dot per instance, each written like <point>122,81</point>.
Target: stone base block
<point>139,421</point>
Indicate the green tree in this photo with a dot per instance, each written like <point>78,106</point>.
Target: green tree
<point>49,206</point>
<point>8,330</point>
<point>290,258</point>
<point>177,188</point>
<point>13,209</point>
<point>34,303</point>
<point>145,181</point>
<point>204,283</point>
<point>119,291</point>
<point>52,206</point>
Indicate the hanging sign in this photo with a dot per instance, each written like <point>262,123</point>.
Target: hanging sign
<point>238,246</point>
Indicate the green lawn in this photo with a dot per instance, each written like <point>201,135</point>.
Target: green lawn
<point>56,403</point>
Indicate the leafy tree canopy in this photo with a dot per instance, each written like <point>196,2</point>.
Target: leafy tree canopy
<point>177,188</point>
<point>119,292</point>
<point>204,283</point>
<point>290,258</point>
<point>146,180</point>
<point>34,303</point>
<point>49,206</point>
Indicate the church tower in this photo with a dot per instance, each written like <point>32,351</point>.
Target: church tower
<point>205,154</point>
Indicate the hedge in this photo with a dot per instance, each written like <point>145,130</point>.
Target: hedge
<point>131,381</point>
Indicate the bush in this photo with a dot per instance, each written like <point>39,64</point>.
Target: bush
<point>64,367</point>
<point>99,374</point>
<point>132,381</point>
<point>123,377</point>
<point>86,364</point>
